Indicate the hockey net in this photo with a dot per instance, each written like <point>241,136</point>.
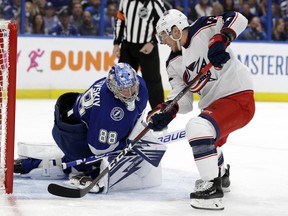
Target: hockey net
<point>8,59</point>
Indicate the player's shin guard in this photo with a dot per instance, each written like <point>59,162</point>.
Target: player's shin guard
<point>201,135</point>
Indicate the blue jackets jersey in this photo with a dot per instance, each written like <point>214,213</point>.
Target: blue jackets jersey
<point>233,78</point>
<point>107,118</point>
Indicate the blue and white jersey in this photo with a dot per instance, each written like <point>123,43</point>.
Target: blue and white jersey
<point>183,66</point>
<point>108,121</point>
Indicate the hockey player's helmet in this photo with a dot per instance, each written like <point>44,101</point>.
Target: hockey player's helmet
<point>170,19</point>
<point>122,80</point>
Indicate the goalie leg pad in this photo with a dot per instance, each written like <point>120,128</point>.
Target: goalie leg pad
<point>133,172</point>
<point>40,160</point>
<point>41,169</point>
<point>39,150</point>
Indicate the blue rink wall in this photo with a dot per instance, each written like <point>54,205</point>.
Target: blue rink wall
<point>50,66</point>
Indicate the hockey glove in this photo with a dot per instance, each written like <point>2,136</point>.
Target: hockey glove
<point>216,53</point>
<point>157,120</point>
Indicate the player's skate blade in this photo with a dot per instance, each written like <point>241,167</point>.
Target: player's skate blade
<point>209,196</point>
<point>208,204</point>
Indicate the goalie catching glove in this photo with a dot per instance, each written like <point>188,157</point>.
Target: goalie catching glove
<point>157,120</point>
<point>216,53</point>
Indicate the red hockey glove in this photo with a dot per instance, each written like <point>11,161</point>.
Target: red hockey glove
<point>216,53</point>
<point>157,120</point>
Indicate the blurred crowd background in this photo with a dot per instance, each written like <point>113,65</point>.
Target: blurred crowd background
<point>268,19</point>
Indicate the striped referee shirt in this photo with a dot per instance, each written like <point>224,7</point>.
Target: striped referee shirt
<point>136,21</point>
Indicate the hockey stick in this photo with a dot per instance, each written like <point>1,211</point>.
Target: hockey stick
<point>173,136</point>
<point>166,138</point>
<point>169,137</point>
<point>63,191</point>
<point>153,157</point>
<point>87,160</point>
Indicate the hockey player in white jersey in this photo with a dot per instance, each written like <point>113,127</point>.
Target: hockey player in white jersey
<point>226,93</point>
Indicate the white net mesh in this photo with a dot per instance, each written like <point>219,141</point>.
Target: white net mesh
<point>4,65</point>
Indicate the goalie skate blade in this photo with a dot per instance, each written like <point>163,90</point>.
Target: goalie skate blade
<point>207,204</point>
<point>62,191</point>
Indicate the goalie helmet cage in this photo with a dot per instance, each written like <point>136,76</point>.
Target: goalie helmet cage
<point>8,60</point>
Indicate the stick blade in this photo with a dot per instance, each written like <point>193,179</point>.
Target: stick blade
<point>62,191</point>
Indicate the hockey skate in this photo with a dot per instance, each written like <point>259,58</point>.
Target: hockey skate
<point>209,196</point>
<point>225,181</point>
<point>82,181</point>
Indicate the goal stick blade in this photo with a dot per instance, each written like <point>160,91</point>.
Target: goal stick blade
<point>61,191</point>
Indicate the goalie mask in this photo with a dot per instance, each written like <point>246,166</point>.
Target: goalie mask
<point>123,82</point>
<point>170,19</point>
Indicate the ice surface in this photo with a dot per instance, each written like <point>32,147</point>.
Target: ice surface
<point>257,155</point>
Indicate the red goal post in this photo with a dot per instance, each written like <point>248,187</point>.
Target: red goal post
<point>8,64</point>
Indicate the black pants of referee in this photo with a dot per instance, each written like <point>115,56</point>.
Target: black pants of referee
<point>150,69</point>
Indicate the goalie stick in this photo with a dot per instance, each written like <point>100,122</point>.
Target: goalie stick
<point>94,158</point>
<point>63,191</point>
<point>87,160</point>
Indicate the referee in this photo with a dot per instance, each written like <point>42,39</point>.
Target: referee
<point>135,42</point>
